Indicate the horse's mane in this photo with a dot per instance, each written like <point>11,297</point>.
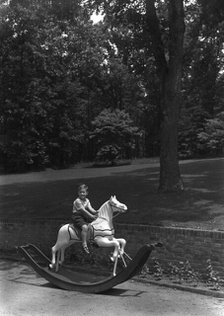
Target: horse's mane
<point>105,211</point>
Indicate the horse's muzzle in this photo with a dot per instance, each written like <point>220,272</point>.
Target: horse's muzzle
<point>124,209</point>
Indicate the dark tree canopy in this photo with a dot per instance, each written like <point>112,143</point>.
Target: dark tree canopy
<point>159,64</point>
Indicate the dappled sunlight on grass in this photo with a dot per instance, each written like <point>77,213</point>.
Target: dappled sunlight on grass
<point>190,176</point>
<point>202,190</point>
<point>202,202</point>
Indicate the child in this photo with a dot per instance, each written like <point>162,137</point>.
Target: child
<point>83,213</point>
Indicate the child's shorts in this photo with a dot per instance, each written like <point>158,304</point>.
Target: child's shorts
<point>79,220</point>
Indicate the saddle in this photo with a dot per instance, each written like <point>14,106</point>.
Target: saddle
<point>76,230</point>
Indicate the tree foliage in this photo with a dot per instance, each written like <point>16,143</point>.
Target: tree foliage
<point>211,138</point>
<point>46,67</point>
<point>59,72</point>
<point>114,134</point>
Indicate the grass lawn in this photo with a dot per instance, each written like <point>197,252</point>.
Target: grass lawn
<point>201,205</point>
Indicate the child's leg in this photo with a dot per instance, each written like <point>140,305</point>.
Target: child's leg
<point>84,238</point>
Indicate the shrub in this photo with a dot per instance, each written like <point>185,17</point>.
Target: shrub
<point>114,134</point>
<point>108,153</point>
<point>211,139</point>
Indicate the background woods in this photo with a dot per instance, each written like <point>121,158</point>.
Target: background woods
<point>145,81</point>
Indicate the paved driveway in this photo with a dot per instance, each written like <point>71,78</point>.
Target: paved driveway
<point>22,293</point>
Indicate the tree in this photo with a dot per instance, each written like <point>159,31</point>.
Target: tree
<point>203,56</point>
<point>211,139</point>
<point>59,71</point>
<point>114,133</point>
<point>191,123</point>
<point>162,29</point>
<point>169,70</point>
<point>47,73</point>
<point>202,96</point>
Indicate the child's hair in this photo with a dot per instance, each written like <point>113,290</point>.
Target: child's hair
<point>82,187</point>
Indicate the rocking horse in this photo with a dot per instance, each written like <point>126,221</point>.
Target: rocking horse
<point>100,231</point>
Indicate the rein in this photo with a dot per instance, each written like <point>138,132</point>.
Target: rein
<point>118,213</point>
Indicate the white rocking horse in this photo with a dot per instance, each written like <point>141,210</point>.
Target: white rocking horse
<point>102,232</point>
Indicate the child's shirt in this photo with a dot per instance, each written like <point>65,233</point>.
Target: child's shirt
<point>78,204</point>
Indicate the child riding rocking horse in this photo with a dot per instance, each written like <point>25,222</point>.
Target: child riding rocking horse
<point>83,214</point>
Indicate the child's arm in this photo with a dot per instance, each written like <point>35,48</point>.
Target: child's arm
<point>87,214</point>
<point>83,211</point>
<point>91,209</point>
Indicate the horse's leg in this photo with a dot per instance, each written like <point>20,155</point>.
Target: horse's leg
<point>62,256</point>
<point>65,238</point>
<point>53,260</point>
<point>57,260</point>
<point>117,251</point>
<point>57,254</point>
<point>122,246</point>
<point>115,266</point>
<point>105,242</point>
<point>122,243</point>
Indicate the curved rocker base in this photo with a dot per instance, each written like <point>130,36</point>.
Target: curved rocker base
<point>69,280</point>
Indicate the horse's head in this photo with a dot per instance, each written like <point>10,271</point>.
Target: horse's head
<point>117,206</point>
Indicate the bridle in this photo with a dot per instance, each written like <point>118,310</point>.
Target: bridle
<point>118,213</point>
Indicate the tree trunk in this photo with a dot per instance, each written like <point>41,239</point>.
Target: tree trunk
<point>169,68</point>
<point>170,179</point>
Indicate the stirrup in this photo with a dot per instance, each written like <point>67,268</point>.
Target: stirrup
<point>86,249</point>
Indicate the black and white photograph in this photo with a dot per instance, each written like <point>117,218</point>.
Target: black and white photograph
<point>111,157</point>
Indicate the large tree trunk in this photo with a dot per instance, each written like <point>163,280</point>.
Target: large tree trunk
<point>169,68</point>
<point>170,179</point>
